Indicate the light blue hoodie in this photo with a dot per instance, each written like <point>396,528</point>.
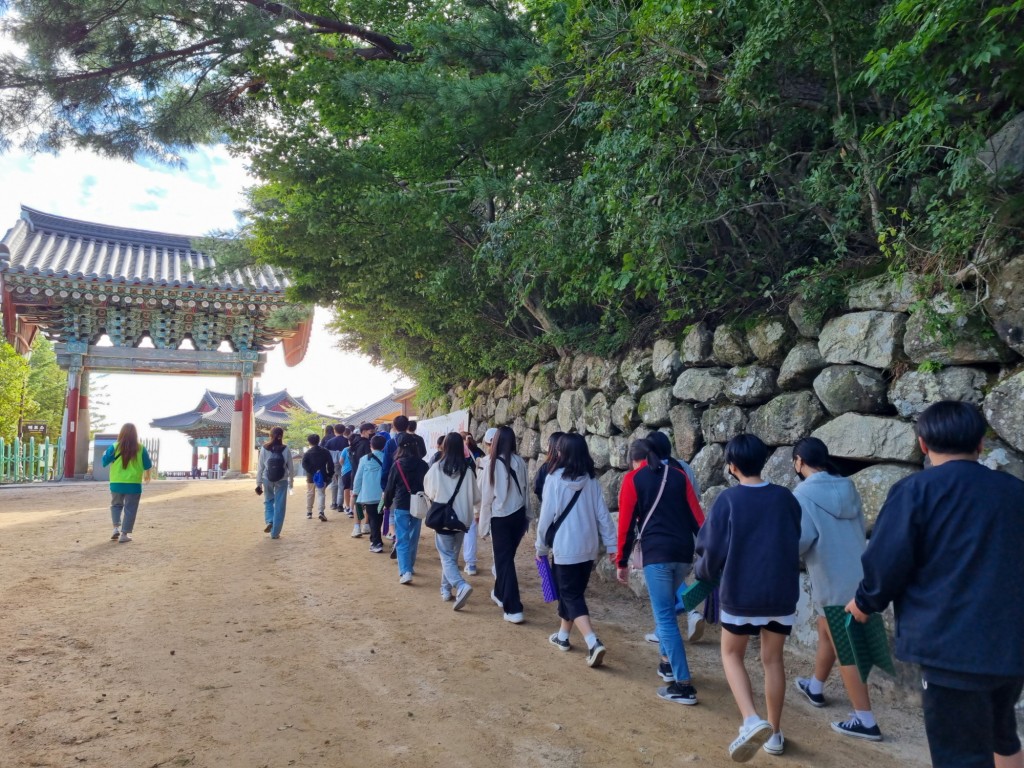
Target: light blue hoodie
<point>832,537</point>
<point>366,485</point>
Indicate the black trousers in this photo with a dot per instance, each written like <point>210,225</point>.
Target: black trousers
<point>965,728</point>
<point>572,581</point>
<point>374,519</point>
<point>506,533</point>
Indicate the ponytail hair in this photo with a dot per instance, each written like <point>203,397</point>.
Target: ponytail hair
<point>814,453</point>
<point>642,450</point>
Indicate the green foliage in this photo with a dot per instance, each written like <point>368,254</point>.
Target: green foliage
<point>32,389</point>
<point>14,373</point>
<point>301,424</point>
<point>520,178</point>
<point>929,366</point>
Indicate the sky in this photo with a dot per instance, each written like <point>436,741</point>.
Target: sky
<point>196,200</point>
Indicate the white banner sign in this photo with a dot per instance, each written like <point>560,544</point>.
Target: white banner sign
<point>431,429</point>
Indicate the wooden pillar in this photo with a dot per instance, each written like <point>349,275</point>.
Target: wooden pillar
<point>84,426</point>
<point>71,422</point>
<point>242,427</point>
<point>195,456</point>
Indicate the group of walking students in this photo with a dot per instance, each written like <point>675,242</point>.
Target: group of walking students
<point>946,550</point>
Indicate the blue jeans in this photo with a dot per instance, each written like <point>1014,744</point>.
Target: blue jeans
<point>407,539</point>
<point>275,498</point>
<point>663,579</point>
<point>129,504</point>
<point>448,546</point>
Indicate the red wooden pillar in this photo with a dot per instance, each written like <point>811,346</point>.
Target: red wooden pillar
<point>71,435</point>
<point>195,458</point>
<point>245,406</point>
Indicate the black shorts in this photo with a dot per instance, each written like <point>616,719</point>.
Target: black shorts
<point>966,727</point>
<point>346,481</point>
<point>572,581</point>
<point>755,629</point>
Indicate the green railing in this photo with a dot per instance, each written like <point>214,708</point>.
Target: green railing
<point>26,462</point>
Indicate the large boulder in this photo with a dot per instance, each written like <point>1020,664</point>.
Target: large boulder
<point>547,430</point>
<point>998,455</point>
<point>1004,409</point>
<point>563,373</point>
<point>888,293</point>
<point>597,416</point>
<point>730,347</point>
<point>770,339</point>
<point>665,361</point>
<point>709,465</point>
<point>873,485</point>
<point>870,438</point>
<point>603,376</point>
<point>787,418</point>
<point>914,391</point>
<point>751,385</point>
<point>779,468</point>
<point>636,370</point>
<point>807,323</point>
<point>547,409</point>
<point>698,345</point>
<point>531,417</point>
<point>801,365</point>
<point>700,385</point>
<point>611,482</point>
<point>501,410</point>
<point>970,339</point>
<point>1003,152</point>
<point>872,338</point>
<point>540,381</point>
<point>709,496</point>
<point>624,415</point>
<point>654,407</point>
<point>599,451</point>
<point>570,410</point>
<point>579,371</point>
<point>843,388</point>
<point>722,424</point>
<point>530,445</point>
<point>686,431</point>
<point>1005,304</point>
<point>618,452</point>
<point>502,389</point>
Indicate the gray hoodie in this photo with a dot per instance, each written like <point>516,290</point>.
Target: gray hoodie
<point>832,537</point>
<point>587,526</point>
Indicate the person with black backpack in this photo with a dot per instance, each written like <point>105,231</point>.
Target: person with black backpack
<point>319,467</point>
<point>274,477</point>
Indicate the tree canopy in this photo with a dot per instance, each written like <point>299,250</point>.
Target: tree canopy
<point>31,390</point>
<point>474,184</point>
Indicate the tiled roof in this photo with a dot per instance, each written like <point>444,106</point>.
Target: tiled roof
<point>377,411</point>
<point>54,246</point>
<point>221,405</point>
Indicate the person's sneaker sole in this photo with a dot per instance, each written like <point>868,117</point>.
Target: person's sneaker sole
<point>595,658</point>
<point>854,734</point>
<point>744,747</point>
<point>698,630</point>
<point>775,750</point>
<point>462,597</point>
<point>116,534</point>
<point>553,639</point>
<point>269,528</point>
<point>818,702</point>
<point>651,637</point>
<point>668,677</point>
<point>470,571</point>
<point>663,693</point>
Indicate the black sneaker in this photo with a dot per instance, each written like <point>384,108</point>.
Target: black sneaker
<point>680,693</point>
<point>595,655</point>
<point>855,728</point>
<point>323,517</point>
<point>665,672</point>
<point>803,685</point>
<point>562,645</point>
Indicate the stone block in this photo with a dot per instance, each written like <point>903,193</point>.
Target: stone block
<point>571,406</point>
<point>770,340</point>
<point>871,338</point>
<point>1005,304</point>
<point>580,371</point>
<point>873,485</point>
<point>779,468</point>
<point>787,418</point>
<point>697,345</point>
<point>751,385</point>
<point>637,371</point>
<point>914,391</point>
<point>611,482</point>
<point>599,451</point>
<point>665,360</point>
<point>870,438</point>
<point>530,444</point>
<point>1004,409</point>
<point>547,430</point>
<point>686,431</point>
<point>597,416</point>
<point>843,388</point>
<point>547,409</point>
<point>806,326</point>
<point>886,293</point>
<point>603,376</point>
<point>730,347</point>
<point>700,385</point>
<point>501,410</point>
<point>998,455</point>
<point>971,340</point>
<point>801,365</point>
<point>722,423</point>
<point>654,407</point>
<point>624,415</point>
<point>618,452</point>
<point>709,466</point>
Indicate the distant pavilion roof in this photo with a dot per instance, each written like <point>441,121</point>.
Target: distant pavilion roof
<point>385,409</point>
<point>212,416</point>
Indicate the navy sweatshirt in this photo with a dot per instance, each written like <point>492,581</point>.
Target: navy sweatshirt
<point>947,552</point>
<point>750,544</point>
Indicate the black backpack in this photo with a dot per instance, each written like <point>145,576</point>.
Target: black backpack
<point>275,464</point>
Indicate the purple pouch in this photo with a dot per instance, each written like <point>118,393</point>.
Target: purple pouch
<point>385,525</point>
<point>547,580</point>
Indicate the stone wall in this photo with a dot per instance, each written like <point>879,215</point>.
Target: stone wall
<point>857,381</point>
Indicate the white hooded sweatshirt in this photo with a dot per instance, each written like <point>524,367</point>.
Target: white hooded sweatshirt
<point>587,525</point>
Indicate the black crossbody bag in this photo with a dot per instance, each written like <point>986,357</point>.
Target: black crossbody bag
<point>549,534</point>
<point>442,516</point>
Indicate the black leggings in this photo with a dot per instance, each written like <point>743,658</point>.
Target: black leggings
<point>506,533</point>
<point>374,520</point>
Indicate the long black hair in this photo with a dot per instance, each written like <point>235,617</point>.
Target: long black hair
<point>502,447</point>
<point>453,455</point>
<point>276,437</point>
<point>643,450</point>
<point>814,453</point>
<point>574,457</point>
<point>552,461</point>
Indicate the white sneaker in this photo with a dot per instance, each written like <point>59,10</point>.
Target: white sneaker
<point>751,739</point>
<point>462,596</point>
<point>115,534</point>
<point>695,626</point>
<point>124,537</point>
<point>496,601</point>
<point>514,618</point>
<point>405,578</point>
<point>356,531</point>
<point>775,745</point>
<point>652,637</point>
<point>469,570</point>
<point>366,528</point>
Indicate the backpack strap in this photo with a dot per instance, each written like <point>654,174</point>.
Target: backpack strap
<point>406,482</point>
<point>664,479</point>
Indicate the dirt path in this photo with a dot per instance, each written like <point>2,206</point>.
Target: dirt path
<point>203,643</point>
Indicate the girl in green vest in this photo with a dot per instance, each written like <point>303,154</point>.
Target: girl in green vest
<point>130,465</point>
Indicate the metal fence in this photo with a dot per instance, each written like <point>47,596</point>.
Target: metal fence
<point>25,462</point>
